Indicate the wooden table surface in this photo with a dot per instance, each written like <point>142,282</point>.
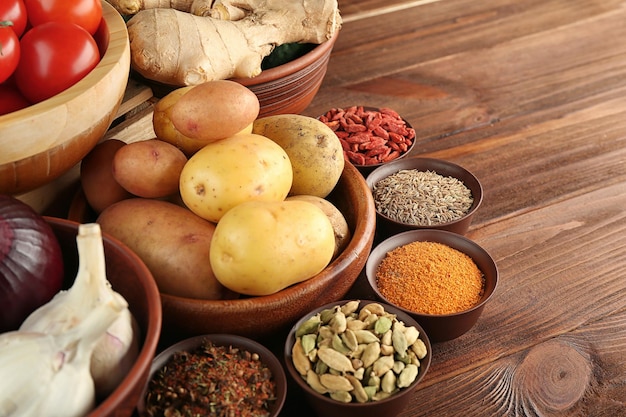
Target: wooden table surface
<point>531,97</point>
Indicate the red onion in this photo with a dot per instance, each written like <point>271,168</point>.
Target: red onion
<point>31,262</point>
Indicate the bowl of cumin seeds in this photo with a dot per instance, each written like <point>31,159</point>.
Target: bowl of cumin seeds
<point>423,193</point>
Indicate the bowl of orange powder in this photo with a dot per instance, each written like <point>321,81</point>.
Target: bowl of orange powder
<point>440,278</point>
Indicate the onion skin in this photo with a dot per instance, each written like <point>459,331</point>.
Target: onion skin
<point>31,262</point>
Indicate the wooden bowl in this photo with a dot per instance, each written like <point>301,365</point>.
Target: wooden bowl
<point>266,356</point>
<point>285,89</point>
<point>388,226</point>
<point>41,142</point>
<point>440,327</point>
<point>328,407</point>
<point>130,277</point>
<point>257,317</point>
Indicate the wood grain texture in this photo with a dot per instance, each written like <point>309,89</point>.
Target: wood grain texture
<point>529,96</point>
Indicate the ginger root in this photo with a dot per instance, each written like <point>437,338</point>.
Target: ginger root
<point>230,39</point>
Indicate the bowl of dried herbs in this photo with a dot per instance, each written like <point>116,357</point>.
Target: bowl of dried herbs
<point>441,279</point>
<point>423,193</point>
<point>215,375</point>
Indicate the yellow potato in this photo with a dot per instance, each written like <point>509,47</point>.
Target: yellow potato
<point>214,110</point>
<point>259,247</point>
<point>231,171</point>
<point>173,242</point>
<point>314,150</point>
<point>336,217</point>
<point>149,168</point>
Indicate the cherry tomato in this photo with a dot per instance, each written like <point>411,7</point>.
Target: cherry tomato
<point>54,56</point>
<point>9,51</point>
<point>85,13</point>
<point>14,11</point>
<point>11,99</point>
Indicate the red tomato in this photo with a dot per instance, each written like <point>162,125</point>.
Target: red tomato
<point>11,99</point>
<point>55,56</point>
<point>14,11</point>
<point>85,13</point>
<point>9,51</point>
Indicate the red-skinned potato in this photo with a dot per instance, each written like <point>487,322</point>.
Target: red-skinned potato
<point>101,189</point>
<point>214,110</point>
<point>149,168</point>
<point>165,130</point>
<point>173,242</point>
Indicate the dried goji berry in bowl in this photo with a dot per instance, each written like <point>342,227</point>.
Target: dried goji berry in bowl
<point>370,136</point>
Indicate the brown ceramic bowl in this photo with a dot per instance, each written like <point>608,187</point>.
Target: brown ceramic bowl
<point>285,89</point>
<point>446,326</point>
<point>363,112</point>
<point>388,227</point>
<point>41,142</point>
<point>265,355</point>
<point>265,315</point>
<point>325,406</point>
<point>130,277</point>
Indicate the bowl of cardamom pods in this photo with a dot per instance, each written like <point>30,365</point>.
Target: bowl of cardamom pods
<point>416,193</point>
<point>355,358</point>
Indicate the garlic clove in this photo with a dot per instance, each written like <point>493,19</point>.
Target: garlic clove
<point>115,354</point>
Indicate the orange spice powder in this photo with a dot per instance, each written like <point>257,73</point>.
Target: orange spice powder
<point>430,278</point>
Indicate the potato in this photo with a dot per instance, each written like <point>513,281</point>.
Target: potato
<point>149,168</point>
<point>214,110</point>
<point>96,176</point>
<point>336,217</point>
<point>164,128</point>
<point>173,242</point>
<point>314,150</point>
<point>234,170</point>
<point>261,247</point>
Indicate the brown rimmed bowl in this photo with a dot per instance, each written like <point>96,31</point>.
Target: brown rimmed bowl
<point>265,355</point>
<point>325,406</point>
<point>41,142</point>
<point>387,227</point>
<point>130,277</point>
<point>362,112</point>
<point>445,326</point>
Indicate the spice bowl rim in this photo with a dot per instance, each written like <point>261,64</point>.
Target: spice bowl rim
<point>440,327</point>
<point>444,165</point>
<point>402,394</point>
<point>224,339</point>
<point>367,169</point>
<point>370,267</point>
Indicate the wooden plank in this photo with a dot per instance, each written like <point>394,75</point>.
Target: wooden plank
<point>537,334</point>
<point>578,374</point>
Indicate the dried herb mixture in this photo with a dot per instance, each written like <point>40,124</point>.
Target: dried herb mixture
<point>216,381</point>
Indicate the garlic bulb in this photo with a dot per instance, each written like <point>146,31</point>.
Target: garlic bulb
<point>118,347</point>
<point>48,375</point>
